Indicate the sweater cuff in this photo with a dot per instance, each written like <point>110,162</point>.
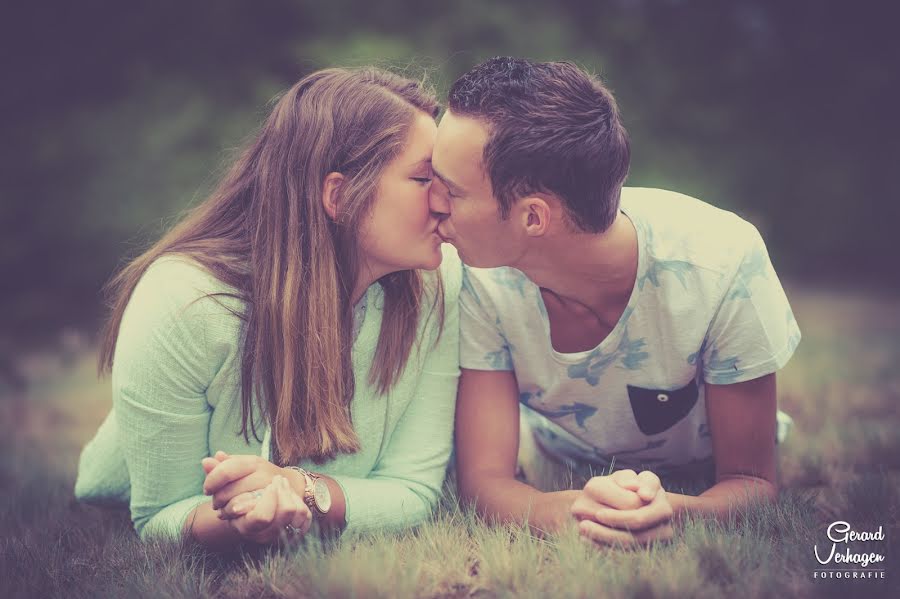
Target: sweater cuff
<point>383,507</point>
<point>168,523</point>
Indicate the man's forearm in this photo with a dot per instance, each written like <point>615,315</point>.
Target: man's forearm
<point>509,500</point>
<point>723,498</point>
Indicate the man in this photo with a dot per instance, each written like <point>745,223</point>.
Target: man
<point>635,326</point>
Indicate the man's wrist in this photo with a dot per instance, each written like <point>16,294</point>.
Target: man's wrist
<point>552,511</point>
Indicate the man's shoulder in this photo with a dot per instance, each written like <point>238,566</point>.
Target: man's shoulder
<point>496,282</point>
<point>679,228</point>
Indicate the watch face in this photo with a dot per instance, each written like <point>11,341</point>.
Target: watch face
<point>322,496</point>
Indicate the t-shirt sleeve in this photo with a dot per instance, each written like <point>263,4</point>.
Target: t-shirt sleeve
<point>754,331</point>
<point>482,345</point>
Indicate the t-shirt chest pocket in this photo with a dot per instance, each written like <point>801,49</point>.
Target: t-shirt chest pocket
<point>657,410</point>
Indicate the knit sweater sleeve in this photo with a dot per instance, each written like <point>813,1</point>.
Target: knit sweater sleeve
<point>163,364</point>
<point>404,486</point>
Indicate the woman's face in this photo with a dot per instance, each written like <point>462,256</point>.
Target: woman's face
<point>400,232</point>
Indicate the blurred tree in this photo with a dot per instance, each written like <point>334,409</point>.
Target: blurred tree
<point>115,117</point>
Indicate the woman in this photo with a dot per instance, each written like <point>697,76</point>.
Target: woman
<point>289,304</point>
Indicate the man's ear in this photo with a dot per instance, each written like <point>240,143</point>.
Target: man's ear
<point>535,216</point>
<point>330,193</point>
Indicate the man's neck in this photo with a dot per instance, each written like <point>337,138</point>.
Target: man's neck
<point>596,270</point>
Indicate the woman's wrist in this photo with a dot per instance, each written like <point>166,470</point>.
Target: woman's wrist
<point>331,521</point>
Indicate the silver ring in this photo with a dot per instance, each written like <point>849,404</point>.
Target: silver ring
<point>291,529</point>
<point>257,494</point>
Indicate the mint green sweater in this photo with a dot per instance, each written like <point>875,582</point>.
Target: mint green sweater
<point>176,400</point>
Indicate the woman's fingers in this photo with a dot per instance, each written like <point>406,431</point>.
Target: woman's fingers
<point>303,519</point>
<point>247,484</point>
<point>649,485</point>
<point>287,507</point>
<point>238,506</point>
<point>228,471</point>
<point>261,516</point>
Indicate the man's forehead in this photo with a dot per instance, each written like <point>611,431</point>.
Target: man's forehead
<point>459,148</point>
<point>463,129</point>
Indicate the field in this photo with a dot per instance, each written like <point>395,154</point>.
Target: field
<point>841,462</point>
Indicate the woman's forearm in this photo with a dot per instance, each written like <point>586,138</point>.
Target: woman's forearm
<point>204,526</point>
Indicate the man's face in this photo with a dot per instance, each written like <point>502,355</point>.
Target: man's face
<point>462,191</point>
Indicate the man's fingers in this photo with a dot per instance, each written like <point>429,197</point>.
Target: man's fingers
<point>605,535</point>
<point>606,490</point>
<point>649,485</point>
<point>627,479</point>
<point>647,517</point>
<point>229,471</point>
<point>584,507</point>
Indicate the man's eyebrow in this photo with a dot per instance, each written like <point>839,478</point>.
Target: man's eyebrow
<point>446,181</point>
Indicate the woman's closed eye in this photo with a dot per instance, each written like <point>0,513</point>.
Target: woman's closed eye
<point>422,180</point>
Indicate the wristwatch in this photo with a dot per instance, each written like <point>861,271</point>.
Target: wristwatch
<point>316,495</point>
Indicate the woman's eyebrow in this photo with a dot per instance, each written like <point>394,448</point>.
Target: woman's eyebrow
<point>422,162</point>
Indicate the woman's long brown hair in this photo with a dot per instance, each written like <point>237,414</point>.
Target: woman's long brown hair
<point>264,232</point>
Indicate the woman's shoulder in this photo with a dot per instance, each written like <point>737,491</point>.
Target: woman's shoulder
<point>177,292</point>
<point>176,279</point>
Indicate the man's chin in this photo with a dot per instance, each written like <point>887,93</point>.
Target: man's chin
<point>475,261</point>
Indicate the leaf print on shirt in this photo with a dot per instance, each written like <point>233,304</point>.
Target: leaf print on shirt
<point>629,352</point>
<point>581,411</point>
<point>725,371</point>
<point>467,285</point>
<point>677,267</point>
<point>526,397</point>
<point>692,359</point>
<point>632,355</point>
<point>499,360</point>
<point>510,278</point>
<point>756,264</point>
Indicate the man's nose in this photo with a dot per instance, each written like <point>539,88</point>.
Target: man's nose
<point>438,204</point>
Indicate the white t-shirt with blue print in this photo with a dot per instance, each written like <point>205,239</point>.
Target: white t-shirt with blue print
<point>707,307</point>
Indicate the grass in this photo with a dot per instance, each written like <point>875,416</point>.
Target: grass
<point>841,462</point>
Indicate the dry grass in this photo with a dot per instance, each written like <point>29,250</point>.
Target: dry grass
<point>842,461</point>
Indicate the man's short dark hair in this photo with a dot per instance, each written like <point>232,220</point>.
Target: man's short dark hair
<point>553,128</point>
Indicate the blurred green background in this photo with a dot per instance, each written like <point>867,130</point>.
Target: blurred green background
<point>117,116</point>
